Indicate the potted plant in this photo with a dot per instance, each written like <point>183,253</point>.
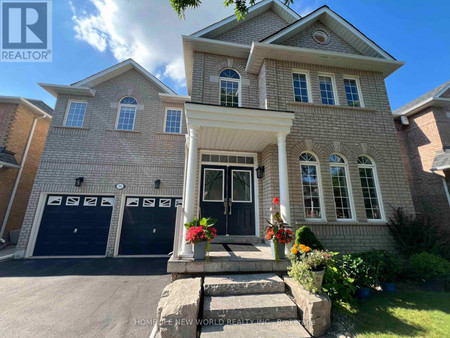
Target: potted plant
<point>200,233</point>
<point>389,270</point>
<point>312,263</point>
<point>277,232</point>
<point>363,274</point>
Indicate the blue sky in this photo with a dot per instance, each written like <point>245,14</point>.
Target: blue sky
<point>90,35</point>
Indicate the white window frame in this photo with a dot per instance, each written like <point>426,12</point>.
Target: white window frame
<point>358,88</point>
<point>181,120</point>
<point>319,182</point>
<point>308,84</point>
<point>251,185</point>
<point>373,166</point>
<point>126,105</point>
<point>333,82</point>
<point>349,187</point>
<point>231,80</point>
<point>204,181</point>
<point>66,115</point>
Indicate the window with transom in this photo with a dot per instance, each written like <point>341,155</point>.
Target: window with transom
<point>127,113</point>
<point>230,88</point>
<point>311,184</point>
<point>370,188</point>
<point>341,192</point>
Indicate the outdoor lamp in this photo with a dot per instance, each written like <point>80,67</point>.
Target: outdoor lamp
<point>78,181</point>
<point>157,184</point>
<point>260,172</point>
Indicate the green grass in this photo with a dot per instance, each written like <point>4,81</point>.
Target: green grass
<point>405,313</point>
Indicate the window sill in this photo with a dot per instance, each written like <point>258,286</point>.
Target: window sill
<point>68,127</point>
<point>171,134</point>
<point>320,105</point>
<point>124,131</point>
<point>338,222</point>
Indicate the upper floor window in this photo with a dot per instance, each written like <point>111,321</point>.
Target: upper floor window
<point>230,88</point>
<point>353,92</point>
<point>312,197</point>
<point>370,188</point>
<point>127,113</point>
<point>173,121</point>
<point>75,114</point>
<point>301,88</point>
<point>342,198</point>
<point>327,89</point>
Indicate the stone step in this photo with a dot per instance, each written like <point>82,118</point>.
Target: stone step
<point>243,284</point>
<point>261,307</point>
<point>237,239</point>
<point>285,329</point>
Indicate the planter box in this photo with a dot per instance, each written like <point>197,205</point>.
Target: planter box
<point>281,250</point>
<point>315,308</point>
<point>200,251</point>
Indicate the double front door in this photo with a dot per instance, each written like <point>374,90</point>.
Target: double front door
<point>227,194</point>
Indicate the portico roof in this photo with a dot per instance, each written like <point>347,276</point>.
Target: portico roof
<point>237,129</point>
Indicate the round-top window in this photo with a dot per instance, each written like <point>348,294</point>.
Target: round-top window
<point>321,37</point>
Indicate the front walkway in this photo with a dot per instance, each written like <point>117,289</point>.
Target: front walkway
<point>225,258</point>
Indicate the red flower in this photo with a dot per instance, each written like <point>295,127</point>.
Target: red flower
<point>276,201</point>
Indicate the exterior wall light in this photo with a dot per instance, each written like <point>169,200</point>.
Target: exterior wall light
<point>78,181</point>
<point>157,184</point>
<point>260,172</point>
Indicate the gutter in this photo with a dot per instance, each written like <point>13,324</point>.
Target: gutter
<point>22,165</point>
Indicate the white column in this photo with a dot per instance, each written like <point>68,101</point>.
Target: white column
<point>285,208</point>
<point>189,196</point>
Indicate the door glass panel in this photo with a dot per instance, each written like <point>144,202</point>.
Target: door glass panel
<point>242,186</point>
<point>213,185</point>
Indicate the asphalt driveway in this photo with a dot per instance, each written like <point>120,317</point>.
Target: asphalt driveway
<point>80,297</point>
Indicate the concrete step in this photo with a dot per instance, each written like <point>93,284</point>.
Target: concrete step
<point>243,284</point>
<point>238,239</point>
<point>285,329</point>
<point>261,307</point>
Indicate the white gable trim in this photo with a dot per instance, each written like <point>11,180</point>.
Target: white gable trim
<point>118,69</point>
<point>290,13</point>
<point>314,16</point>
<point>438,95</point>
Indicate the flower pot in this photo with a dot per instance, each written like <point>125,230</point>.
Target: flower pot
<point>388,287</point>
<point>200,251</point>
<point>318,279</point>
<point>281,248</point>
<point>362,293</point>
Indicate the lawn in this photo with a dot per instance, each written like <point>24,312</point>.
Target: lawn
<point>408,312</point>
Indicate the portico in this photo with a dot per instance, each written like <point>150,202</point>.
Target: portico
<point>238,132</point>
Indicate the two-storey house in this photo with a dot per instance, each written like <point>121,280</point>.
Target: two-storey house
<point>278,106</point>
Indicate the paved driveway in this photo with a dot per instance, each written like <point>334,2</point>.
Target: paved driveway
<point>80,297</point>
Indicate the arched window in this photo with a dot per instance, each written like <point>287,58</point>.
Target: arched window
<point>230,88</point>
<point>370,188</point>
<point>127,113</point>
<point>341,191</point>
<point>312,189</point>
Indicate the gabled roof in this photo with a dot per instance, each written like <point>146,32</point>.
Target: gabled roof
<point>337,24</point>
<point>36,106</point>
<point>430,98</point>
<point>119,69</point>
<point>286,13</point>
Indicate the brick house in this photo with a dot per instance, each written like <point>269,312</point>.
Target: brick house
<point>24,125</point>
<point>424,131</point>
<point>278,105</point>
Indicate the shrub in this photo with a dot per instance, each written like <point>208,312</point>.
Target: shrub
<point>428,267</point>
<point>305,236</point>
<point>338,285</point>
<point>387,266</point>
<point>362,273</point>
<point>416,234</point>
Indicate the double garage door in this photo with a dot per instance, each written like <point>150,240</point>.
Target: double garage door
<point>74,225</point>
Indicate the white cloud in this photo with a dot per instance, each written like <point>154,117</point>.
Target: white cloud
<point>148,31</point>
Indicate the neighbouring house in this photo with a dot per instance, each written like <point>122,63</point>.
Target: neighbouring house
<point>424,131</point>
<point>278,105</point>
<point>24,125</point>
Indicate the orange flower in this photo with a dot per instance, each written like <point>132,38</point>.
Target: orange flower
<point>294,250</point>
<point>306,249</point>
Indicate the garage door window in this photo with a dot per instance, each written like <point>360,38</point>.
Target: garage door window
<point>73,201</point>
<point>90,201</point>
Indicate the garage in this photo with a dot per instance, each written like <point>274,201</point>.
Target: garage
<point>74,225</point>
<point>148,225</point>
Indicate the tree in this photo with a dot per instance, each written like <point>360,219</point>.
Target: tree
<point>240,6</point>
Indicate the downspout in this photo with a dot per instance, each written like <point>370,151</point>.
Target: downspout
<point>444,182</point>
<point>19,174</point>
